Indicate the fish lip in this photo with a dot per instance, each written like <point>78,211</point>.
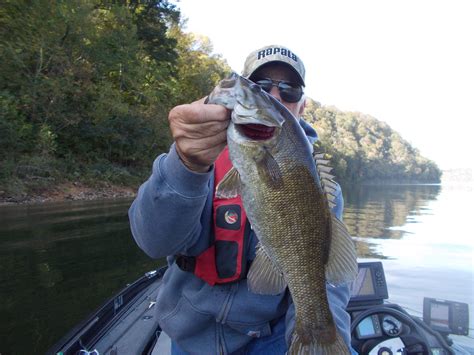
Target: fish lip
<point>252,132</point>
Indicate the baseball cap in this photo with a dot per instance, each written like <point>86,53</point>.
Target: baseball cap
<point>273,53</point>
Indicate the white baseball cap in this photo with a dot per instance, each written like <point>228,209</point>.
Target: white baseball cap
<point>273,53</point>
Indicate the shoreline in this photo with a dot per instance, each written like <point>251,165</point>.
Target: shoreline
<point>77,191</point>
<point>69,192</point>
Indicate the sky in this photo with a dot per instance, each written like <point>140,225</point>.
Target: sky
<point>409,63</point>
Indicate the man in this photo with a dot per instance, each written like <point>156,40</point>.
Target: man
<point>172,216</point>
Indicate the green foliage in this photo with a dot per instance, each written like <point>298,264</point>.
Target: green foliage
<point>86,87</point>
<point>198,70</point>
<point>364,149</point>
<point>89,83</point>
<point>15,131</point>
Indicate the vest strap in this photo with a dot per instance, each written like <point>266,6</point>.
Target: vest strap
<point>225,260</point>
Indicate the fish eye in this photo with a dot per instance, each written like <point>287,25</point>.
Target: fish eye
<point>255,88</point>
<point>228,83</point>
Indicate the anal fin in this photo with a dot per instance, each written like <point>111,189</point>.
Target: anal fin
<point>342,262</point>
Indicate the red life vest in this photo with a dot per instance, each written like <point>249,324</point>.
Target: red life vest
<point>225,261</point>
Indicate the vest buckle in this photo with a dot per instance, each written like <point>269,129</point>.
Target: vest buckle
<point>186,263</point>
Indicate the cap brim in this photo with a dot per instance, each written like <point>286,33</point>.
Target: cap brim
<point>300,79</point>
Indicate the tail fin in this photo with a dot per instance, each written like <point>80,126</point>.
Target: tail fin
<point>316,347</point>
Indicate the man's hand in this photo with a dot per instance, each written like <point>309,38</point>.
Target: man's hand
<point>199,132</point>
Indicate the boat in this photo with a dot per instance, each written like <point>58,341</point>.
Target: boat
<point>126,323</point>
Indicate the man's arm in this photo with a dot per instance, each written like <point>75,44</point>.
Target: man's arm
<point>165,217</point>
<point>168,213</point>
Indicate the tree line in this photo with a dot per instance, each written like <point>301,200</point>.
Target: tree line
<point>364,149</point>
<point>86,87</point>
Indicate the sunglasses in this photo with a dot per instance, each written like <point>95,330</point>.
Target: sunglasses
<point>289,92</point>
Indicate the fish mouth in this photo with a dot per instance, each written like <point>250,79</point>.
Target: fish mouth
<point>256,132</point>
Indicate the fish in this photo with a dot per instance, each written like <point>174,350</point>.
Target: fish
<point>287,192</point>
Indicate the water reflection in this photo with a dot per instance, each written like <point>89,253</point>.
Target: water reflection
<point>378,212</point>
<point>58,262</point>
<point>425,232</point>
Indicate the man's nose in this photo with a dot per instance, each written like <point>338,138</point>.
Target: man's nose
<point>275,93</point>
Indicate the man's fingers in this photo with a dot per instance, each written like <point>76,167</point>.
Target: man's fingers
<point>198,131</point>
<point>193,147</point>
<point>203,152</point>
<point>198,113</point>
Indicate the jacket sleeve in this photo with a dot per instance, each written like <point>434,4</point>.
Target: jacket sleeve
<point>168,214</point>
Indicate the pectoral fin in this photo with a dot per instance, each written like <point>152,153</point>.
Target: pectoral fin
<point>229,187</point>
<point>269,170</point>
<point>264,276</point>
<point>342,262</point>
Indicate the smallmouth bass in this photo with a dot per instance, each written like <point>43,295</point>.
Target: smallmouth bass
<point>287,194</point>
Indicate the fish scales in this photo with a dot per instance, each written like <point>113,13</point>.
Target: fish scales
<point>287,207</point>
<point>296,256</point>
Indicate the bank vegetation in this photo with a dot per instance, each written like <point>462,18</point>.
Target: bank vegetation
<point>86,86</point>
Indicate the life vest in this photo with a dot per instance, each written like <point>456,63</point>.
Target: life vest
<point>225,261</point>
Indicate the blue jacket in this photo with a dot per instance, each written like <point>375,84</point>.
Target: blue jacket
<point>172,215</point>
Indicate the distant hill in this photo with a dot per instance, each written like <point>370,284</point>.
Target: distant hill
<point>364,149</point>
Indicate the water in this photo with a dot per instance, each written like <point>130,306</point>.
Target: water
<point>423,235</point>
<point>59,262</point>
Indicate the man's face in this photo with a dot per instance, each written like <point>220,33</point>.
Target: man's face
<point>279,71</point>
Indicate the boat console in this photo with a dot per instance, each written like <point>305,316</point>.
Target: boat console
<point>382,328</point>
<point>126,324</point>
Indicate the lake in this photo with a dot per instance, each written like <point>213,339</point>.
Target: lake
<point>60,261</point>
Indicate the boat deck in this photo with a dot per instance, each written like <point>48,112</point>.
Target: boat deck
<point>132,333</point>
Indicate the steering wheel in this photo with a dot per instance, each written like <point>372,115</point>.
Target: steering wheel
<point>416,343</point>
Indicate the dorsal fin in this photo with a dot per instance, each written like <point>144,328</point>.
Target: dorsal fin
<point>331,183</point>
<point>342,261</point>
<point>325,168</point>
<point>322,161</point>
<point>330,187</point>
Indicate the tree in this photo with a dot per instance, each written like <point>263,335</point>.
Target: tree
<point>363,148</point>
<point>86,85</point>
